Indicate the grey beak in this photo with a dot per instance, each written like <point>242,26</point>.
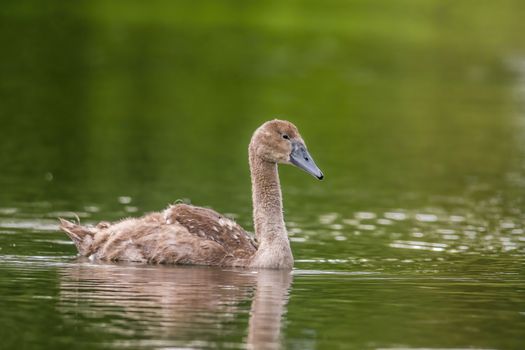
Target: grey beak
<point>302,159</point>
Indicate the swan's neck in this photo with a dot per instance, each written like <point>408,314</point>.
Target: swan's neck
<point>274,248</point>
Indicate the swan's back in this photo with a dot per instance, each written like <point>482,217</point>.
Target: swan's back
<point>181,234</point>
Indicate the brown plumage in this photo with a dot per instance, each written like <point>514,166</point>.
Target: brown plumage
<point>186,234</point>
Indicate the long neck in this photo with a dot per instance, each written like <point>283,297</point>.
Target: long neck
<point>274,248</point>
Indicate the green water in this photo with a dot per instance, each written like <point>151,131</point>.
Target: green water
<point>414,110</point>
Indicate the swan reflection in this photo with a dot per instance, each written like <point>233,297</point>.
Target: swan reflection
<point>176,306</point>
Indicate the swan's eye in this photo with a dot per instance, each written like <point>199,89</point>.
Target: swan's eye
<point>286,137</point>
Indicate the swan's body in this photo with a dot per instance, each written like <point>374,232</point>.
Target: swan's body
<point>185,234</point>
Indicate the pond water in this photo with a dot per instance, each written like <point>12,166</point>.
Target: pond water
<point>415,112</point>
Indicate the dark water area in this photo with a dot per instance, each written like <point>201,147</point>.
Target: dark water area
<point>415,112</point>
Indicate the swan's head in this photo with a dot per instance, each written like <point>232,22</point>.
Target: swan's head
<point>279,141</point>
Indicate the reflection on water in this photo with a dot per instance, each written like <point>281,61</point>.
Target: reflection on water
<point>165,306</point>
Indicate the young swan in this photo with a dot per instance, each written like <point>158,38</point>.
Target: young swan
<point>185,234</point>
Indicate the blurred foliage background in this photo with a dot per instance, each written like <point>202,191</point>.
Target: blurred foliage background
<point>127,97</point>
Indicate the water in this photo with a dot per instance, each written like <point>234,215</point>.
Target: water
<point>414,111</point>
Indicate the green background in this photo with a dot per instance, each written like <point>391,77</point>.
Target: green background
<point>414,110</point>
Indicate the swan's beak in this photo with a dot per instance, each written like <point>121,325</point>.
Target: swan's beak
<point>302,159</point>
